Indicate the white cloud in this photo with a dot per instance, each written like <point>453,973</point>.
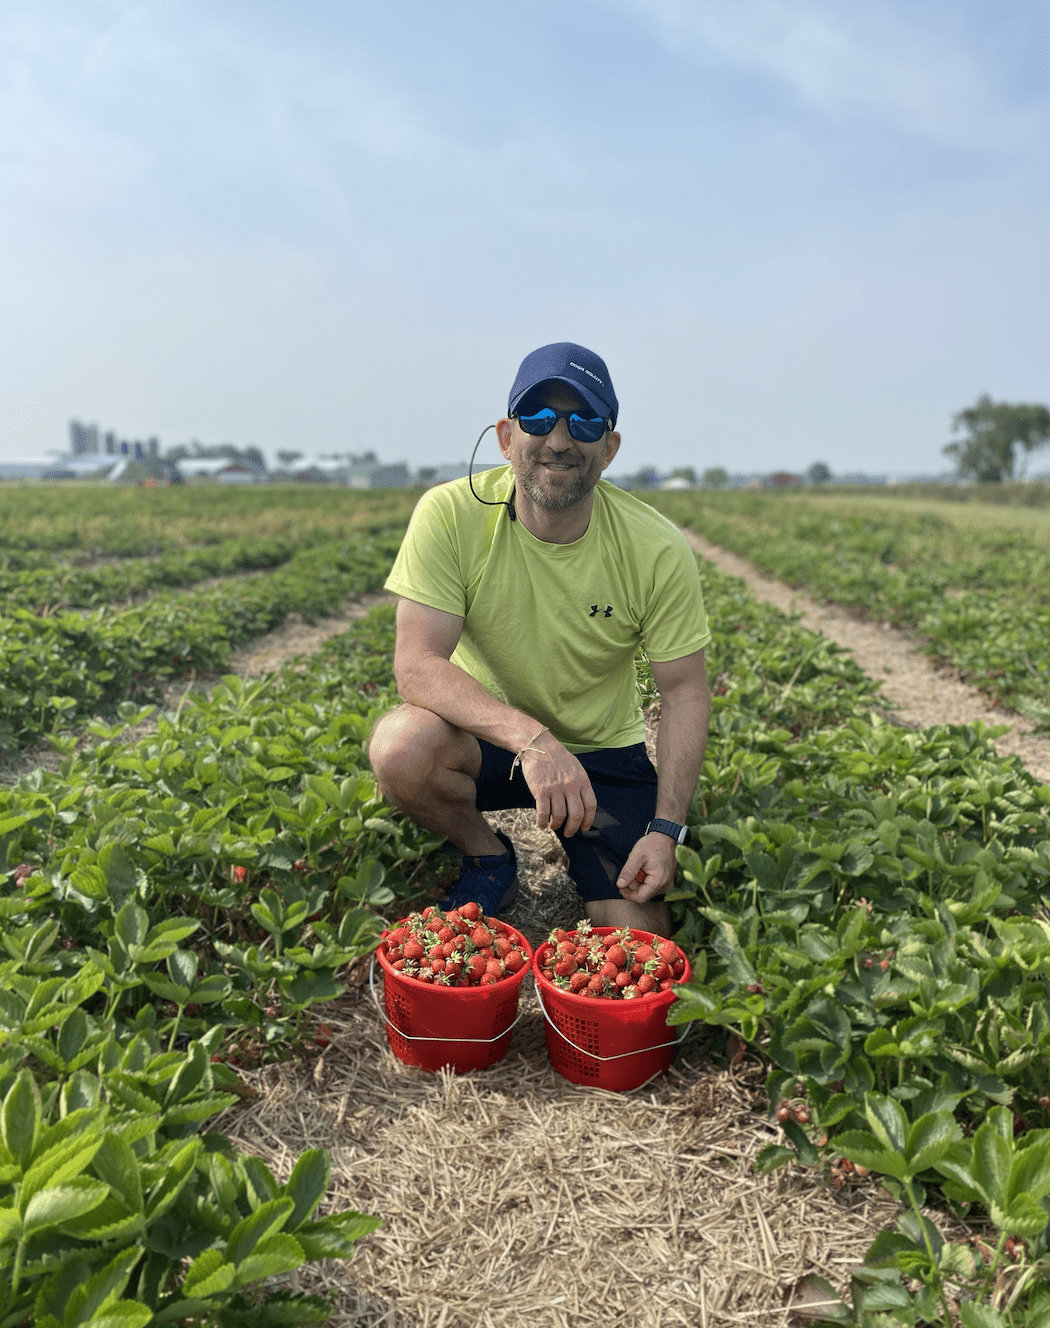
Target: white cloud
<point>848,57</point>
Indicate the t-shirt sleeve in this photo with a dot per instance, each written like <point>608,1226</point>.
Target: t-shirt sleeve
<point>675,623</point>
<point>428,566</point>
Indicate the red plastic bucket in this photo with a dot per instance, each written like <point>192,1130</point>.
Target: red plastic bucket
<point>610,1044</point>
<point>467,1028</point>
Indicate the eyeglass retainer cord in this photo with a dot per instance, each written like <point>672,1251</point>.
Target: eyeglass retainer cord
<point>500,502</point>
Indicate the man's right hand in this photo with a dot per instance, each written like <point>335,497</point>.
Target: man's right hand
<point>559,783</point>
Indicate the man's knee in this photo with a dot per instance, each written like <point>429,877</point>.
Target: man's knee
<point>399,741</point>
<point>409,743</point>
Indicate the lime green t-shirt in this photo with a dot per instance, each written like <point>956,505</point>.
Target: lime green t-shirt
<point>553,629</point>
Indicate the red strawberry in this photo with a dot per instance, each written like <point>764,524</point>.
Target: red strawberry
<point>668,951</point>
<point>515,961</point>
<point>470,911</point>
<point>240,874</point>
<point>617,955</point>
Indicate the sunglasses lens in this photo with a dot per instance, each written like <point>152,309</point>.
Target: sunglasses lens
<point>542,422</point>
<point>584,430</point>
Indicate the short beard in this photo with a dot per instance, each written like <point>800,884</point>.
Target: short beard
<point>582,485</point>
<point>556,502</point>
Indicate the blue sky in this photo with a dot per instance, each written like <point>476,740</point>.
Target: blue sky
<point>797,230</point>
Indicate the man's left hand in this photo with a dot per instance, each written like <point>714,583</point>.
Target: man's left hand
<point>649,869</point>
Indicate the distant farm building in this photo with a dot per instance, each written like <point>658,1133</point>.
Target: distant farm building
<point>219,470</point>
<point>783,479</point>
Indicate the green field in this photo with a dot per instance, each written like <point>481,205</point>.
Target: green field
<point>975,591</point>
<point>865,905</point>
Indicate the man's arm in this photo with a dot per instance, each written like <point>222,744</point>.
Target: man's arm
<point>427,678</point>
<point>685,703</point>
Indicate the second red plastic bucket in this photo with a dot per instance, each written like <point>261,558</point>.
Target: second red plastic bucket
<point>613,1044</point>
<point>467,1028</point>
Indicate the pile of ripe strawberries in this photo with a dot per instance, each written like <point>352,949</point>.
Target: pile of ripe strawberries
<point>613,965</point>
<point>460,948</point>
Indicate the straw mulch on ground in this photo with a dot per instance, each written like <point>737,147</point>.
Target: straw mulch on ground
<point>511,1197</point>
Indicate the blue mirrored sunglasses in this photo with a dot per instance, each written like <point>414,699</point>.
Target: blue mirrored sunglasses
<point>581,428</point>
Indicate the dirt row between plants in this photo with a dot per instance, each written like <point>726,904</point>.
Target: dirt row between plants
<point>920,693</point>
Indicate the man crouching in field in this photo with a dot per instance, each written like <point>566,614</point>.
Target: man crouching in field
<point>524,599</point>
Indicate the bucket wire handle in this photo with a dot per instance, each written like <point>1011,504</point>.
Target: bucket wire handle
<point>636,1051</point>
<point>418,1037</point>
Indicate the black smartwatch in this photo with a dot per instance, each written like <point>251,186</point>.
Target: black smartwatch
<point>679,833</point>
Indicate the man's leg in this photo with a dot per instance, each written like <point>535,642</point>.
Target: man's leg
<point>655,917</point>
<point>427,767</point>
<point>624,783</point>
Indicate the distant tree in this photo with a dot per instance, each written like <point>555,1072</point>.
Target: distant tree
<point>992,429</point>
<point>819,473</point>
<point>425,474</point>
<point>715,478</point>
<point>684,473</point>
<point>286,458</point>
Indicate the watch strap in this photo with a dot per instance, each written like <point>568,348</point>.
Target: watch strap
<point>679,833</point>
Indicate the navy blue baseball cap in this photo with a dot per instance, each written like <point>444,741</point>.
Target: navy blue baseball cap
<point>566,362</point>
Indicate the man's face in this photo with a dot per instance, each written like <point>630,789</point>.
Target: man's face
<point>555,470</point>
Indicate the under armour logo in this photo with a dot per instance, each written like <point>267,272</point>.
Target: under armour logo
<point>595,610</point>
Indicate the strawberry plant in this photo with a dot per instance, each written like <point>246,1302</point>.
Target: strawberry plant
<point>974,594</point>
<point>113,1207</point>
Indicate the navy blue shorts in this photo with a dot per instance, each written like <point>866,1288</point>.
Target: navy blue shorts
<point>624,784</point>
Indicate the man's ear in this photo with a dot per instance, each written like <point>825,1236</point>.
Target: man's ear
<point>612,446</point>
<point>504,434</point>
